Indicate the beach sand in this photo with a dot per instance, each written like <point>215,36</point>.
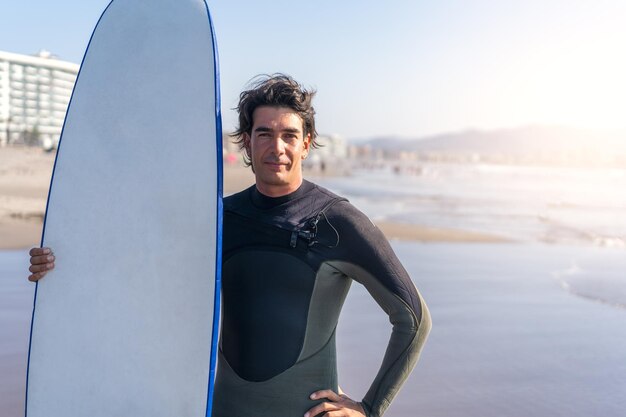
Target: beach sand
<point>24,181</point>
<point>25,177</point>
<point>405,231</point>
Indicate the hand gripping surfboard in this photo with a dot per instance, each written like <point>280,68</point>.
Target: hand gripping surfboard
<point>126,323</point>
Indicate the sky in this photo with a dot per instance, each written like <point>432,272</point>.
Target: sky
<point>403,68</point>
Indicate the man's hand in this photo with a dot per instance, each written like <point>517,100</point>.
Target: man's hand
<point>338,405</point>
<point>41,261</point>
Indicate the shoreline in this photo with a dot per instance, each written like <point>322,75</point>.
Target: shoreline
<point>426,234</point>
<point>23,235</point>
<point>25,177</point>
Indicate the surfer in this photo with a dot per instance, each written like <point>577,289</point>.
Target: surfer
<point>290,252</point>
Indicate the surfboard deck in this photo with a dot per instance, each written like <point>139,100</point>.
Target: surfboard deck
<point>126,323</point>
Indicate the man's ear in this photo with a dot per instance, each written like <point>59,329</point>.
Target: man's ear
<point>246,144</point>
<point>307,145</point>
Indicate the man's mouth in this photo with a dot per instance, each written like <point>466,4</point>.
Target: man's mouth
<point>276,163</point>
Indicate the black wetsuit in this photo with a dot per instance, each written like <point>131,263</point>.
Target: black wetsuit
<point>287,266</point>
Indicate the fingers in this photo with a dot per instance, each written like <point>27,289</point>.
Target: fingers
<point>41,267</point>
<point>325,406</point>
<point>41,261</point>
<point>340,405</point>
<point>326,393</point>
<point>322,408</point>
<point>40,251</point>
<point>36,277</point>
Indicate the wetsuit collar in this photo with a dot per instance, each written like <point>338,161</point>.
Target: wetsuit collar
<point>262,201</point>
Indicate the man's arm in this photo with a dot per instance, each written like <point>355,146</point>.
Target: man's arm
<point>364,254</point>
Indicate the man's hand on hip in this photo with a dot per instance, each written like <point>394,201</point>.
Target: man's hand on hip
<point>338,405</point>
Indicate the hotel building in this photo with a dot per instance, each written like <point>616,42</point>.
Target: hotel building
<point>34,95</point>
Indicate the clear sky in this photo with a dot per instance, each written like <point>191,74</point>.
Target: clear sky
<point>403,68</point>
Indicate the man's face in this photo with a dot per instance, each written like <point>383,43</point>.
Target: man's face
<point>277,146</point>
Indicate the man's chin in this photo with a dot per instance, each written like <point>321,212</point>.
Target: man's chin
<point>272,178</point>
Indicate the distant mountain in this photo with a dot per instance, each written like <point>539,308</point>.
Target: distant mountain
<point>524,140</point>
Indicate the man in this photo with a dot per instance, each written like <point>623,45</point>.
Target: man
<point>290,251</point>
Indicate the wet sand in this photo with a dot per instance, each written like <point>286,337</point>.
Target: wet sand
<point>507,340</point>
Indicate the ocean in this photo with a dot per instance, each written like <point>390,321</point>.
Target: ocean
<point>546,204</point>
<point>531,328</point>
<point>583,208</point>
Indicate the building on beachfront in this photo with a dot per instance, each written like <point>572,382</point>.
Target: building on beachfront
<point>34,94</point>
<point>330,157</point>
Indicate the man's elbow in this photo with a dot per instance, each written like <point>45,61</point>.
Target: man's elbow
<point>425,322</point>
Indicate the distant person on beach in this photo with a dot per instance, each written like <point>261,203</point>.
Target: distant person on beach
<point>290,252</point>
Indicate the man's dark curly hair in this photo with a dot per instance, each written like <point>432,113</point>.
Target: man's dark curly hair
<point>277,90</point>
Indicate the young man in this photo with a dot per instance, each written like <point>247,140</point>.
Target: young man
<point>290,251</point>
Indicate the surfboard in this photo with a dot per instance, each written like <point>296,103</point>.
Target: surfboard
<point>126,323</point>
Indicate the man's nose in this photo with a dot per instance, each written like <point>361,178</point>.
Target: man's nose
<point>278,144</point>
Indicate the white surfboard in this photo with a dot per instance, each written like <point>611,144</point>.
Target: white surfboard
<point>126,323</point>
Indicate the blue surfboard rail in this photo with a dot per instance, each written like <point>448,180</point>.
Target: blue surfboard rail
<point>219,219</point>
